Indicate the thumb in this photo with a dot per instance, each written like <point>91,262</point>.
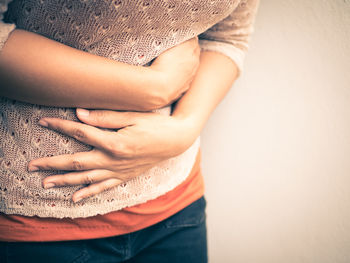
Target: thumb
<point>106,118</point>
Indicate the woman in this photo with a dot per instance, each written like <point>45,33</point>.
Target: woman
<point>137,194</point>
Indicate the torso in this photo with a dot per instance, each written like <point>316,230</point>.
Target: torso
<point>133,32</point>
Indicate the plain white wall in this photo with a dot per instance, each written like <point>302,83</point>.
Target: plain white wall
<point>276,152</point>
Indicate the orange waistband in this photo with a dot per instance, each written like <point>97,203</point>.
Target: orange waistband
<point>22,228</point>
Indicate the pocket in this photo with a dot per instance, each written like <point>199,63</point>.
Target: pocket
<point>190,216</point>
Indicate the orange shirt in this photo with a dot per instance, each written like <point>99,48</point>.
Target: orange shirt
<point>127,220</point>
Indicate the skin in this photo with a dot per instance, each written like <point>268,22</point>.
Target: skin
<point>121,155</point>
<point>38,70</point>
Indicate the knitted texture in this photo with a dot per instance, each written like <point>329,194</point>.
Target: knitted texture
<point>5,29</point>
<point>134,32</point>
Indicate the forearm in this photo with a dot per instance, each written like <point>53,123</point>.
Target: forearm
<point>214,78</point>
<point>38,70</point>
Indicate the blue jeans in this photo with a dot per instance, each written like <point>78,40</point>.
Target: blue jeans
<point>180,238</point>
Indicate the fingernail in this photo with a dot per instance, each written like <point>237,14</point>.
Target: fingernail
<point>33,168</point>
<point>49,185</point>
<point>43,122</point>
<point>83,112</point>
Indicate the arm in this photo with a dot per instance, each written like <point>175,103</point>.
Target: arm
<point>223,50</point>
<point>38,70</point>
<point>120,156</point>
<point>214,78</point>
<point>126,154</point>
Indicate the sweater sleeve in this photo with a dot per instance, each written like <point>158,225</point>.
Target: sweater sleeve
<point>231,35</point>
<point>5,29</point>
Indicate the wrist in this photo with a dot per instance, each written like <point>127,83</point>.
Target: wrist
<point>190,125</point>
<point>193,116</point>
<point>148,86</point>
<point>161,86</point>
<point>182,134</point>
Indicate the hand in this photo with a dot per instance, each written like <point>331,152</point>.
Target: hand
<point>138,142</point>
<point>178,66</point>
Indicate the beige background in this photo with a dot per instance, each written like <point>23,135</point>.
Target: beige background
<point>276,152</point>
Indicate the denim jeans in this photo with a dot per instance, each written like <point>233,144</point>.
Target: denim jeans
<point>180,238</point>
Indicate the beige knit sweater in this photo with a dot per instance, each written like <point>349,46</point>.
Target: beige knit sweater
<point>133,32</point>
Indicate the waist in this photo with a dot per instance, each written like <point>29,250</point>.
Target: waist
<point>21,192</point>
<point>14,228</point>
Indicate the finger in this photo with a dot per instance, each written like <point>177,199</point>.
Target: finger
<point>71,162</point>
<point>77,178</point>
<point>95,189</point>
<point>81,132</point>
<point>110,119</point>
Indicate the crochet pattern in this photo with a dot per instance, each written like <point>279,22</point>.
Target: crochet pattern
<point>133,32</point>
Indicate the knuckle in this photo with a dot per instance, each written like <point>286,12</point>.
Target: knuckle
<point>113,147</point>
<point>126,150</point>
<point>103,188</point>
<point>64,180</point>
<point>79,134</point>
<point>108,185</point>
<point>99,115</point>
<point>88,179</point>
<point>128,176</point>
<point>46,166</point>
<point>95,190</point>
<point>58,128</point>
<point>119,148</point>
<point>77,165</point>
